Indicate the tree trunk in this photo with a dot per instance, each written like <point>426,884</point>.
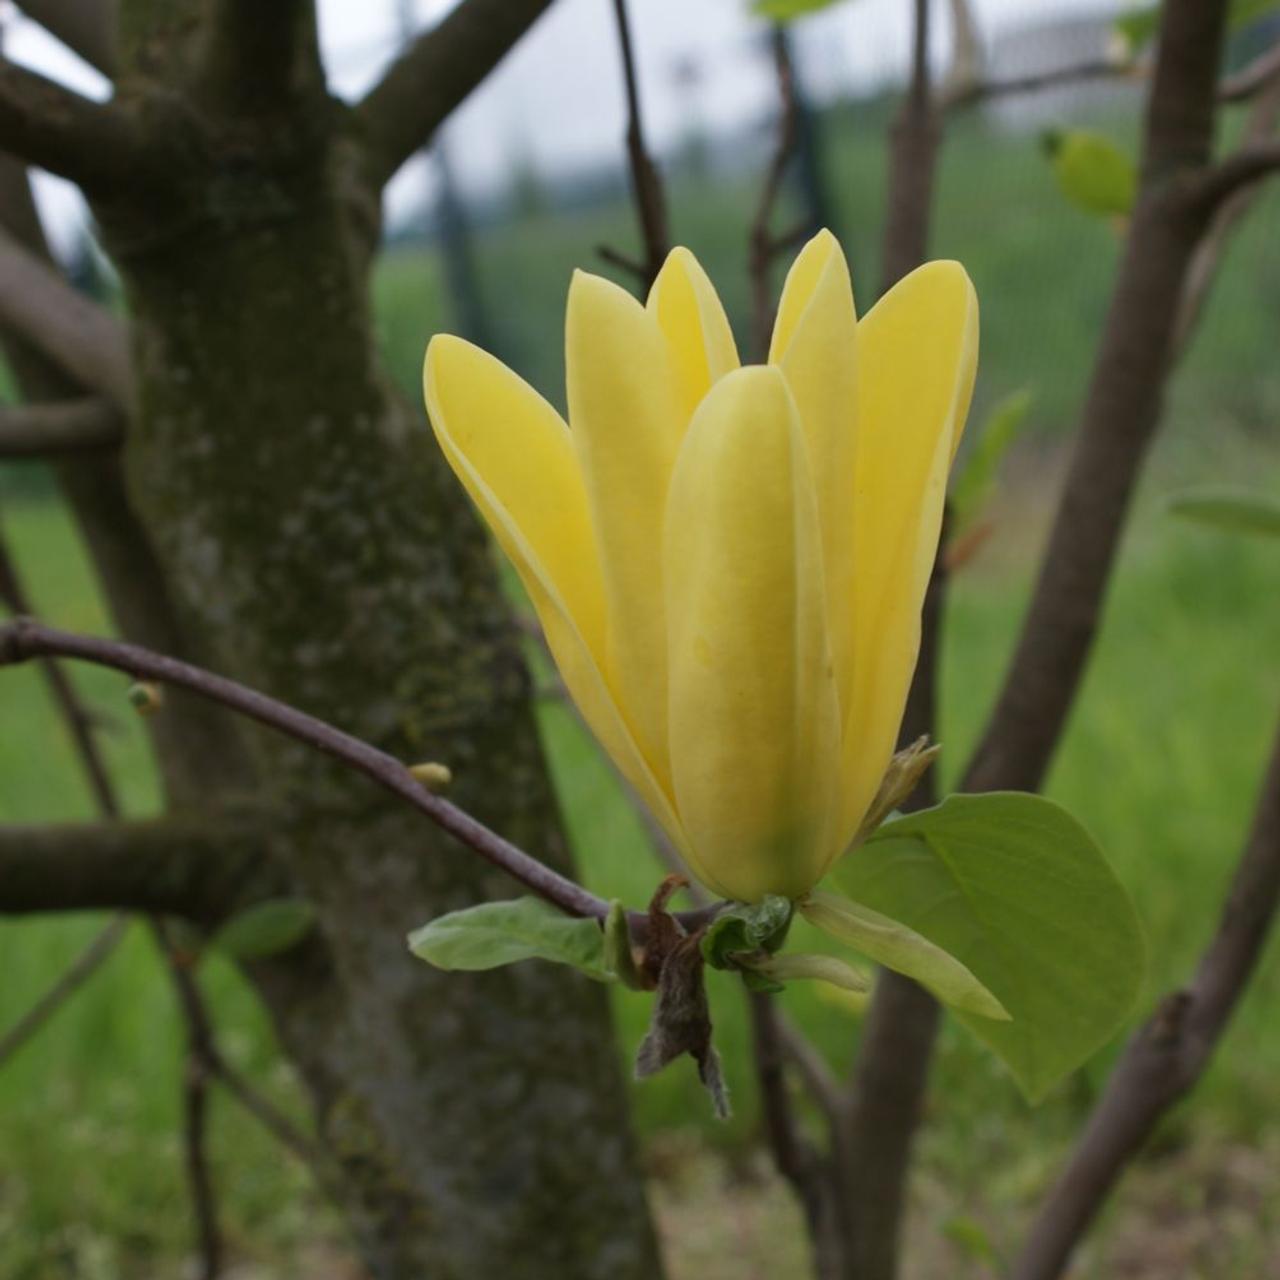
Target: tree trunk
<point>312,541</point>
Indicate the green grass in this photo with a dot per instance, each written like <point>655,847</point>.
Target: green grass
<point>1161,759</point>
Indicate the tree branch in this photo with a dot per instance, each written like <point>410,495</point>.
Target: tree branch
<point>168,866</point>
<point>24,639</point>
<point>1167,1057</point>
<point>94,144</point>
<point>1252,78</point>
<point>762,244</point>
<point>1240,169</point>
<point>1121,412</point>
<point>54,427</point>
<point>971,93</point>
<point>646,183</point>
<point>82,337</point>
<point>435,73</point>
<point>78,972</point>
<point>86,27</point>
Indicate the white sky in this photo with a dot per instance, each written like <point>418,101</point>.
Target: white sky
<point>557,98</point>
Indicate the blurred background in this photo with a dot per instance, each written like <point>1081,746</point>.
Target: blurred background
<point>1163,753</point>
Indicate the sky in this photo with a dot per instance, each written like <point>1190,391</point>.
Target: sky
<point>557,98</point>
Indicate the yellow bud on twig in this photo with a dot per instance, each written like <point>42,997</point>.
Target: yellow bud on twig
<point>432,775</point>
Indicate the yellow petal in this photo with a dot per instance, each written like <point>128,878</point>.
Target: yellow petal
<point>688,311</point>
<point>626,427</point>
<point>814,343</point>
<point>917,356</point>
<point>513,454</point>
<point>754,715</point>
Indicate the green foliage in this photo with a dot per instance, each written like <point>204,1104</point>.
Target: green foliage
<point>265,929</point>
<point>899,947</point>
<point>1091,171</point>
<point>787,10</point>
<point>497,933</point>
<point>744,928</point>
<point>1230,510</point>
<point>618,956</point>
<point>1012,885</point>
<point>973,487</point>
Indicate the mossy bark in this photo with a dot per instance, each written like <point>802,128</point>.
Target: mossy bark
<point>314,546</point>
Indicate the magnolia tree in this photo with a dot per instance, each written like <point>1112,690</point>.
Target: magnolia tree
<point>735,567</point>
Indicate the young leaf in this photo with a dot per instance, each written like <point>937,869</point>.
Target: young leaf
<point>619,959</point>
<point>265,929</point>
<point>497,933</point>
<point>1013,886</point>
<point>793,965</point>
<point>972,489</point>
<point>786,10</point>
<point>1233,511</point>
<point>1092,172</point>
<point>896,946</point>
<point>746,927</point>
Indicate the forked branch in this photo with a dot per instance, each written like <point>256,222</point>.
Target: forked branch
<point>434,74</point>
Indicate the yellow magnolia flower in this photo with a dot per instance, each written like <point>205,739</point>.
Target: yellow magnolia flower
<point>729,562</point>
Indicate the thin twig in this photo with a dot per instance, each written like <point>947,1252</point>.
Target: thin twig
<point>77,973</point>
<point>1167,1057</point>
<point>25,638</point>
<point>1251,78</point>
<point>1202,272</point>
<point>762,246</point>
<point>967,95</point>
<point>646,182</point>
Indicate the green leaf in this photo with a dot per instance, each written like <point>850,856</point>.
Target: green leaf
<point>619,959</point>
<point>1092,172</point>
<point>497,933</point>
<point>897,946</point>
<point>1012,885</point>
<point>973,487</point>
<point>786,10</point>
<point>1231,510</point>
<point>794,965</point>
<point>265,929</point>
<point>746,927</point>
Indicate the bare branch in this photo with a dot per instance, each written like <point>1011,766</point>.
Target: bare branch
<point>1240,169</point>
<point>968,94</point>
<point>1264,111</point>
<point>94,144</point>
<point>86,340</point>
<point>56,427</point>
<point>762,247</point>
<point>1121,412</point>
<point>646,183</point>
<point>1252,78</point>
<point>80,970</point>
<point>24,639</point>
<point>435,73</point>
<point>1167,1057</point>
<point>87,27</point>
<point>169,866</point>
